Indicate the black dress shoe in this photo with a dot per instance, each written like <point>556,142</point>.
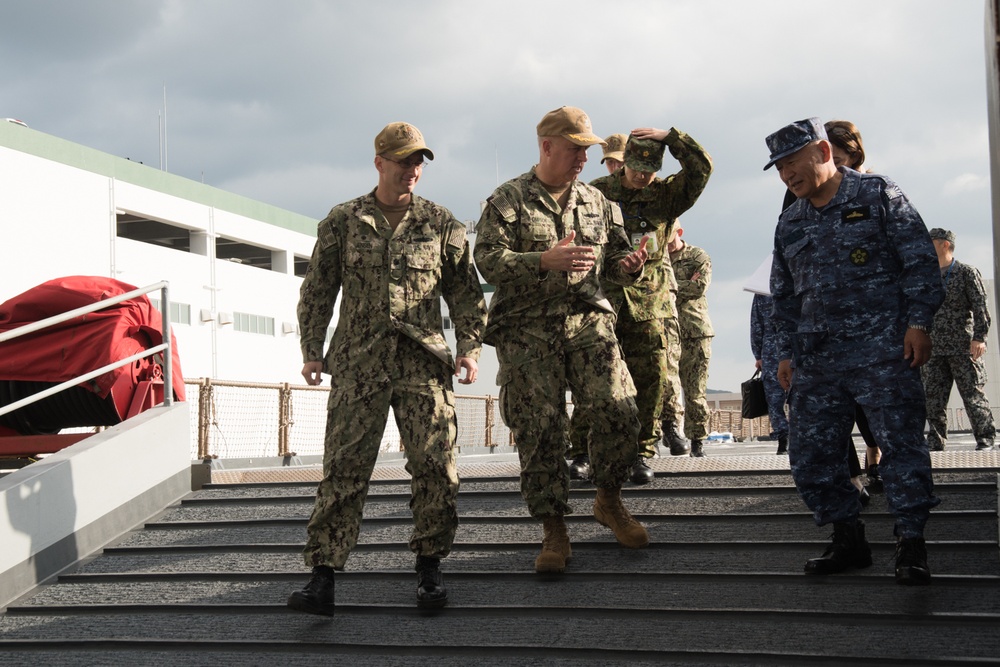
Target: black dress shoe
<point>849,549</point>
<point>317,596</point>
<point>431,592</point>
<point>641,472</point>
<point>782,445</point>
<point>911,562</point>
<point>696,448</point>
<point>579,467</point>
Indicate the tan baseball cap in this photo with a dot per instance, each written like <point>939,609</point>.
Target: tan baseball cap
<point>401,140</point>
<point>614,147</point>
<point>570,123</point>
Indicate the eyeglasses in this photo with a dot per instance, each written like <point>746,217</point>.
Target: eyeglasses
<point>409,163</point>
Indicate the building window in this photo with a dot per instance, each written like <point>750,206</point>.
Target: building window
<point>155,232</point>
<point>243,253</point>
<point>180,313</point>
<point>257,324</point>
<point>301,266</point>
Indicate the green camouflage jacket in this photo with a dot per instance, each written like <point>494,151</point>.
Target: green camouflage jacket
<point>692,305</point>
<point>391,283</point>
<point>519,223</point>
<point>655,209</point>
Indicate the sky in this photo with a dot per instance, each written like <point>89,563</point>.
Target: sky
<point>280,101</point>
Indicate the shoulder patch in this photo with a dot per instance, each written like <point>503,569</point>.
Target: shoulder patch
<point>892,191</point>
<point>503,206</point>
<point>457,235</point>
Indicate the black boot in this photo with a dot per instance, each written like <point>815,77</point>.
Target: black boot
<point>674,440</point>
<point>696,448</point>
<point>848,549</point>
<point>317,596</point>
<point>641,472</point>
<point>984,444</point>
<point>579,467</point>
<point>911,562</point>
<point>431,592</point>
<point>874,479</point>
<point>782,445</point>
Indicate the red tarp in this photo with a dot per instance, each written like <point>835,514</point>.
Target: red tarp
<point>85,343</point>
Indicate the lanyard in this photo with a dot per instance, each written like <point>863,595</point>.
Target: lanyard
<point>948,274</point>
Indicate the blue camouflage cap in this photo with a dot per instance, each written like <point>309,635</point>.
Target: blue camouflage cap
<point>793,137</point>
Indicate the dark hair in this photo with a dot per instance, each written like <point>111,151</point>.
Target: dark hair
<point>845,135</point>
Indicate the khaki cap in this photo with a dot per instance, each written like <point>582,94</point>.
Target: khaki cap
<point>614,147</point>
<point>570,123</point>
<point>401,140</point>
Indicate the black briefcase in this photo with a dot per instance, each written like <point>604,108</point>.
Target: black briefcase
<point>754,398</point>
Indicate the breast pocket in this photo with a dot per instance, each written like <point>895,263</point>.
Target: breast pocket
<point>423,271</point>
<point>364,264</point>
<point>862,251</point>
<point>593,231</point>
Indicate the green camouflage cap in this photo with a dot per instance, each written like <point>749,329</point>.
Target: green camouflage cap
<point>614,148</point>
<point>644,155</point>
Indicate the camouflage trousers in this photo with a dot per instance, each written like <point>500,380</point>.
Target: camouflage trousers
<point>643,345</point>
<point>672,409</point>
<point>695,355</point>
<point>534,377</point>
<point>821,418</point>
<point>420,395</point>
<point>970,377</point>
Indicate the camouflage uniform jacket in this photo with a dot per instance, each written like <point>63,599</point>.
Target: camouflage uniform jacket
<point>520,222</point>
<point>849,278</point>
<point>964,315</point>
<point>692,304</point>
<point>392,283</point>
<point>655,209</point>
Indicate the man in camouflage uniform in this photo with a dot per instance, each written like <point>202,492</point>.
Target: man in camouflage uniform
<point>395,255</point>
<point>545,240</point>
<point>647,311</point>
<point>614,152</point>
<point>763,345</point>
<point>693,269</point>
<point>855,286</point>
<point>959,337</point>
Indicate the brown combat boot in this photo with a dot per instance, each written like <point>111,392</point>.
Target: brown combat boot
<point>609,511</point>
<point>555,546</point>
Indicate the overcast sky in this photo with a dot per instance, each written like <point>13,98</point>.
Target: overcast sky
<point>281,101</point>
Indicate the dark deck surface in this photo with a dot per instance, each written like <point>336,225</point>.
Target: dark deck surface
<point>721,583</point>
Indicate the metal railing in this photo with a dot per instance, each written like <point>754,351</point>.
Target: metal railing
<point>248,420</point>
<point>163,286</point>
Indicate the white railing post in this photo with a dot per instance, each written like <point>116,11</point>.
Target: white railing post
<point>168,366</point>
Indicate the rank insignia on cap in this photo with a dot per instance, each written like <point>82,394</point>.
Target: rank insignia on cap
<point>859,257</point>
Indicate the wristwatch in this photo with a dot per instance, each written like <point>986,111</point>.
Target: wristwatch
<point>918,327</point>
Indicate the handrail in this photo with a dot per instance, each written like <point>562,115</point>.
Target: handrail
<point>168,386</point>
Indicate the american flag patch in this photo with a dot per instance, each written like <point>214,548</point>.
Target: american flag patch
<point>503,207</point>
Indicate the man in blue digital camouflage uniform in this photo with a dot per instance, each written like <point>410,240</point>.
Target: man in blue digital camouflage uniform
<point>765,354</point>
<point>396,255</point>
<point>855,285</point>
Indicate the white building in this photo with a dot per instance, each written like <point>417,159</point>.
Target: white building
<point>234,264</point>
